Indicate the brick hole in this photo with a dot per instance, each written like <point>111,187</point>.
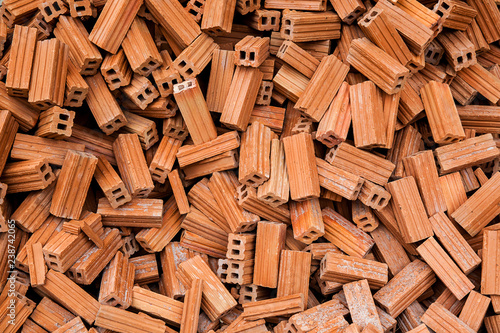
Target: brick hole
<point>243,195</point>
<point>283,48</point>
<point>399,82</point>
<point>159,170</point>
<point>46,176</point>
<point>43,25</point>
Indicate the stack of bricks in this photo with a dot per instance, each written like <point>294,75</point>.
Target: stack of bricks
<point>226,166</point>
